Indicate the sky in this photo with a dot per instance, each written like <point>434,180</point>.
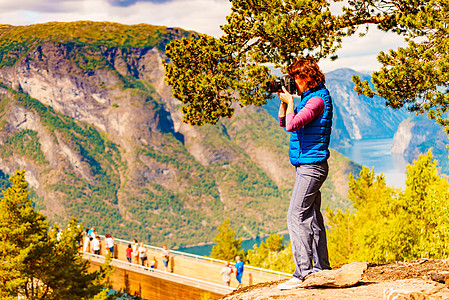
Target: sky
<point>204,16</point>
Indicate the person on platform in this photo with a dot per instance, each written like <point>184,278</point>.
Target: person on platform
<point>92,233</point>
<point>165,256</point>
<point>129,251</point>
<point>239,267</point>
<point>135,251</point>
<point>109,244</point>
<point>86,241</point>
<point>143,254</point>
<point>226,272</point>
<point>154,263</point>
<point>96,245</point>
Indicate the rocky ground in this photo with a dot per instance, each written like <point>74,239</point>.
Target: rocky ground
<point>420,279</point>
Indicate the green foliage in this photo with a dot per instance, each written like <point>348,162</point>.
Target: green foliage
<point>206,71</point>
<point>205,74</point>
<point>4,181</point>
<point>3,106</point>
<point>272,255</point>
<point>340,240</point>
<point>187,211</point>
<point>227,247</point>
<point>389,225</point>
<point>440,150</point>
<point>36,263</point>
<point>88,36</point>
<point>275,243</point>
<point>26,143</point>
<point>418,71</point>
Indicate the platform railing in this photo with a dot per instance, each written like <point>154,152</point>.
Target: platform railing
<point>198,283</point>
<point>280,275</point>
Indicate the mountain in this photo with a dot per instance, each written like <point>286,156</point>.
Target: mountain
<point>355,117</point>
<point>417,135</point>
<point>85,110</point>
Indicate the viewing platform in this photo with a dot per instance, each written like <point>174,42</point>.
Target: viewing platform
<point>188,276</point>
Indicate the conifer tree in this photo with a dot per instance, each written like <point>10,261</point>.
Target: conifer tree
<point>209,74</point>
<point>420,205</point>
<point>272,255</point>
<point>341,244</point>
<point>436,229</point>
<point>275,243</point>
<point>34,263</point>
<point>390,225</point>
<point>227,247</point>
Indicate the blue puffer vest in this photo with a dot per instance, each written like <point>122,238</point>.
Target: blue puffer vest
<point>310,143</point>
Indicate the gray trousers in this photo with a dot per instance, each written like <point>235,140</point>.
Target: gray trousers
<point>305,221</point>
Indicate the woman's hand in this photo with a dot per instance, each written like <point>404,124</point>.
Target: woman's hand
<point>285,96</point>
<point>287,102</point>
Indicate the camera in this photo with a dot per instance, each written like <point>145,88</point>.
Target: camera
<point>276,85</point>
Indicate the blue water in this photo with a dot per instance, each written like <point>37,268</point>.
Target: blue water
<point>246,245</point>
<point>376,153</point>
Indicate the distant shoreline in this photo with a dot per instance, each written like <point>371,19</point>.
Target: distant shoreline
<point>284,232</point>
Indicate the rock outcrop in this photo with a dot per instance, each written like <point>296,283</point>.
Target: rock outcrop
<point>402,280</point>
<point>418,135</point>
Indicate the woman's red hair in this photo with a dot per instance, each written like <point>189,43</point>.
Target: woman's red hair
<point>307,69</point>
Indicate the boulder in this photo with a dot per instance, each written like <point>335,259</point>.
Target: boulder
<point>347,275</point>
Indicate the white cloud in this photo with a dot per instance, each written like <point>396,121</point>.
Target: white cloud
<point>41,6</point>
<point>360,54</point>
<point>203,16</point>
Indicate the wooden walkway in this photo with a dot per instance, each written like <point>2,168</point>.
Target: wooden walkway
<point>188,276</point>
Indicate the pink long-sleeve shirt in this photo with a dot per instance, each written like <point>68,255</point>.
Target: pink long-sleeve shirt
<point>313,108</point>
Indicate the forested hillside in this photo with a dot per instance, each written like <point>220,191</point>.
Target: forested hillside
<point>85,110</point>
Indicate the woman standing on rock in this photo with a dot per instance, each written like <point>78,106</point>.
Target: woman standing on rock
<point>310,125</point>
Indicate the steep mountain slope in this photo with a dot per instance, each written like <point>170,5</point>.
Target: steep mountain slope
<point>417,135</point>
<point>85,110</point>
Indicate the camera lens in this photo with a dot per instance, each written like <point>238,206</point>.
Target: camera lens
<point>274,86</point>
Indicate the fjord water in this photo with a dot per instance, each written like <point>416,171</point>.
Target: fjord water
<point>205,250</point>
<point>376,153</point>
